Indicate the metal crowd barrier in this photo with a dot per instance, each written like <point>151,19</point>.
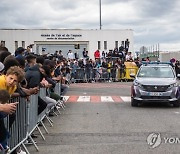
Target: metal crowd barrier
<point>103,74</point>
<point>57,88</point>
<point>19,128</point>
<point>27,120</point>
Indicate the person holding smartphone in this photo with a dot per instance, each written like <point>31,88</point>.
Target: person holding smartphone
<point>9,82</point>
<point>4,134</point>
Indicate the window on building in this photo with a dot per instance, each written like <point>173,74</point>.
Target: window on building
<point>116,44</point>
<point>99,45</point>
<point>105,45</point>
<point>23,44</point>
<point>122,43</point>
<point>3,43</point>
<point>16,44</point>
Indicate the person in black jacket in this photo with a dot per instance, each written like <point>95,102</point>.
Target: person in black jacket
<point>177,67</point>
<point>34,74</point>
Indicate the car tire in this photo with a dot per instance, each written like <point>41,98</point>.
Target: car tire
<point>134,103</point>
<point>176,104</point>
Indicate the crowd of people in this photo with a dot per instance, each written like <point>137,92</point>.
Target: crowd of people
<point>109,66</point>
<point>22,74</point>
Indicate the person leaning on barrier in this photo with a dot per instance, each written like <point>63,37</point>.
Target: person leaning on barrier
<point>61,78</point>
<point>49,83</point>
<point>22,87</point>
<point>4,110</point>
<point>21,90</point>
<point>9,81</point>
<point>4,134</point>
<point>8,108</point>
<point>4,107</point>
<point>53,81</point>
<point>64,86</point>
<point>50,102</point>
<point>34,75</point>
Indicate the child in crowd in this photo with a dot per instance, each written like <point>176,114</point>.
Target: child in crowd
<point>10,81</point>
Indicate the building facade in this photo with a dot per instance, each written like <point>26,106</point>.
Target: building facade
<point>50,40</point>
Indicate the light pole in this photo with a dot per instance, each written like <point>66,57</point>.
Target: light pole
<point>100,14</point>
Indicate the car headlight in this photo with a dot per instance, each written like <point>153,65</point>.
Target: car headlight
<point>173,85</point>
<point>138,84</point>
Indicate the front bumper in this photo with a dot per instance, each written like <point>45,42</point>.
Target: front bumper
<point>171,95</point>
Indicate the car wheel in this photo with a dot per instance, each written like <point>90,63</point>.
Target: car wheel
<point>176,104</point>
<point>134,103</point>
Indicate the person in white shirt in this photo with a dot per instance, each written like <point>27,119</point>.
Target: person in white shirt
<point>129,56</point>
<point>70,55</point>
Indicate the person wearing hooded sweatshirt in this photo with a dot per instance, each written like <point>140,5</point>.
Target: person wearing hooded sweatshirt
<point>34,75</point>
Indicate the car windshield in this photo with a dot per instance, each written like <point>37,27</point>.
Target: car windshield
<point>156,72</point>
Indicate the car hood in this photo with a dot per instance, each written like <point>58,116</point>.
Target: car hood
<point>156,81</point>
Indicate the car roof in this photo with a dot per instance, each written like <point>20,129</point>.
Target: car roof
<point>157,64</point>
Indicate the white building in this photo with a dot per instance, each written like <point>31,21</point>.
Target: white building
<point>167,55</point>
<point>51,40</point>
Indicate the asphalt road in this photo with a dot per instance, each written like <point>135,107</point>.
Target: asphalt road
<point>114,127</point>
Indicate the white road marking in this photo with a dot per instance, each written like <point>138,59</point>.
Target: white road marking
<point>106,99</point>
<point>83,99</point>
<point>66,98</point>
<point>103,99</point>
<point>126,98</point>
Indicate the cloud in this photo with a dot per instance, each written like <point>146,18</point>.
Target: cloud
<point>153,21</point>
<point>155,8</point>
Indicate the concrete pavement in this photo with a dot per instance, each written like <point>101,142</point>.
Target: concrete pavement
<point>106,127</point>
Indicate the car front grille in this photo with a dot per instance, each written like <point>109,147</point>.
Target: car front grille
<point>156,97</point>
<point>151,88</point>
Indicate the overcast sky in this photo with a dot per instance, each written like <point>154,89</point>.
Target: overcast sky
<point>153,21</point>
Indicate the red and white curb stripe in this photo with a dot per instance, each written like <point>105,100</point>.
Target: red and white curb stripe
<point>97,99</point>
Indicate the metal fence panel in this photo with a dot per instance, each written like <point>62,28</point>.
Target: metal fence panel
<point>17,123</point>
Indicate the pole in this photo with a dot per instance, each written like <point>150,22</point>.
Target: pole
<point>100,14</point>
<point>158,50</point>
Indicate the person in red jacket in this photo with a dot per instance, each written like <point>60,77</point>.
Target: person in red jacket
<point>97,54</point>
